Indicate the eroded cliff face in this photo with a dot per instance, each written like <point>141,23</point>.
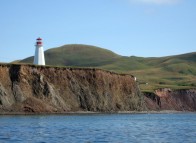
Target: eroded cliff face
<point>168,99</point>
<point>28,88</point>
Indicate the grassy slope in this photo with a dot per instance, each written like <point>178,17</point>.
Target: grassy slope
<point>173,71</point>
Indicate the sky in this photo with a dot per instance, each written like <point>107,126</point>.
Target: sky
<point>145,28</point>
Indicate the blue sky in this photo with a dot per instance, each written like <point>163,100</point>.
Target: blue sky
<point>147,28</point>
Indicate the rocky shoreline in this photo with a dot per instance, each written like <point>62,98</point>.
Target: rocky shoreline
<point>89,112</point>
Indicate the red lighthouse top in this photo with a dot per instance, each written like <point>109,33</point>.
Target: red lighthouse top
<point>39,41</point>
<point>39,38</point>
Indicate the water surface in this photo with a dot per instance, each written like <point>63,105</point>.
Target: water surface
<point>115,128</point>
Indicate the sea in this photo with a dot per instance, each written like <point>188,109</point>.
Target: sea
<point>99,128</point>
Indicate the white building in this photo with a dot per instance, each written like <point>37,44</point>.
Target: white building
<point>39,53</point>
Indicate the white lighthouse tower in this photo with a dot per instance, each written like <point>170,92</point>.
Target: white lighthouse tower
<point>39,53</point>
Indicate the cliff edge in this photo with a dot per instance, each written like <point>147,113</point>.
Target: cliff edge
<point>38,89</point>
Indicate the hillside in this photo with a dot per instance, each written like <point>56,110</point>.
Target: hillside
<point>177,72</point>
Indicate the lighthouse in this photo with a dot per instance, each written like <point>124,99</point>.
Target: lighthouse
<point>39,53</point>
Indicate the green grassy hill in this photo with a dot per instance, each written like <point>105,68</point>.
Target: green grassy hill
<point>77,55</point>
<point>172,71</point>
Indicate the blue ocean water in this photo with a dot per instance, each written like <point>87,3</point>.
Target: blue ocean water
<point>103,128</point>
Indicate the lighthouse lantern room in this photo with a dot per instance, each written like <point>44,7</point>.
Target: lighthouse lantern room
<point>39,53</point>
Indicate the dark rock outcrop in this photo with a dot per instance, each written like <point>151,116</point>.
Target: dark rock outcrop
<point>37,89</point>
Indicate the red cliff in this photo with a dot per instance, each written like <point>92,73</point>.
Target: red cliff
<point>37,89</point>
<point>168,99</point>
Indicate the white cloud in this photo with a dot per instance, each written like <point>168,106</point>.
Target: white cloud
<point>160,2</point>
